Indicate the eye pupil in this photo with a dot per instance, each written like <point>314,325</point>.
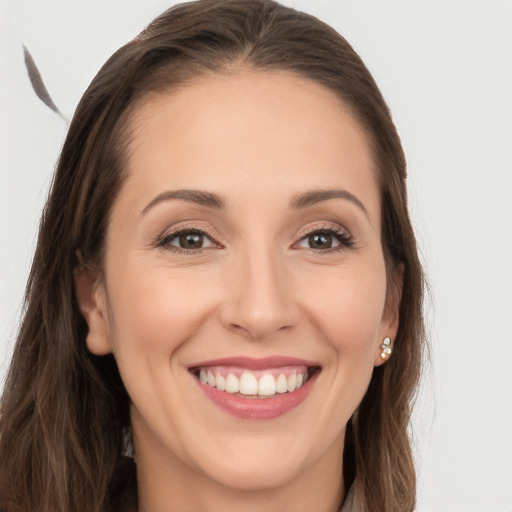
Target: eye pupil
<point>320,241</point>
<point>191,241</point>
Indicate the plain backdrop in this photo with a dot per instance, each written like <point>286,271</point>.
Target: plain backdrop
<point>445,68</point>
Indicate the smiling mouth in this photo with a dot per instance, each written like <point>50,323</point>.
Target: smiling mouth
<point>249,383</point>
<point>253,379</point>
<point>256,389</point>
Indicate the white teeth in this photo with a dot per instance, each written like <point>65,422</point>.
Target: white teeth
<point>267,385</point>
<point>292,382</point>
<point>221,382</point>
<point>248,384</point>
<point>232,383</point>
<point>281,384</point>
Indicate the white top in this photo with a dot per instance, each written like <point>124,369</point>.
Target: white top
<point>349,504</point>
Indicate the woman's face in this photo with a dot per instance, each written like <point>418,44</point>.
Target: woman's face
<point>244,249</point>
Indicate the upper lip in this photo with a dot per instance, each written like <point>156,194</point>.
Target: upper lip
<point>251,363</point>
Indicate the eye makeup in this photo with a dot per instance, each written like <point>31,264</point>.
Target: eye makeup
<point>187,239</point>
<point>319,239</point>
<point>325,238</point>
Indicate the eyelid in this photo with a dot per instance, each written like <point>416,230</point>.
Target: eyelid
<point>166,236</point>
<point>322,226</point>
<point>345,238</point>
<point>329,228</point>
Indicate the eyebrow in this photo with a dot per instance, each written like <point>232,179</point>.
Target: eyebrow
<point>192,196</point>
<point>211,200</point>
<point>313,197</point>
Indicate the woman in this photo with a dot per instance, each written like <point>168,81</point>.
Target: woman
<point>224,309</point>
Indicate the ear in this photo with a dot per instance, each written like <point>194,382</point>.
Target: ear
<point>91,298</point>
<point>390,317</point>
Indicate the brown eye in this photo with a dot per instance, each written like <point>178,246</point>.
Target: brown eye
<point>187,240</point>
<point>326,240</point>
<point>320,241</point>
<point>191,240</point>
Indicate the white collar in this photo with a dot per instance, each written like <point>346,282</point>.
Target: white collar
<point>349,503</point>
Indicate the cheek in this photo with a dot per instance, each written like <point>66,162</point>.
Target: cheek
<point>349,306</point>
<point>155,310</point>
<point>344,309</point>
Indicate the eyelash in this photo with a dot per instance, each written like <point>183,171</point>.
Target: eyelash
<point>164,241</point>
<point>345,239</point>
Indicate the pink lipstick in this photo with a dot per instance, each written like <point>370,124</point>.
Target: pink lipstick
<point>256,388</point>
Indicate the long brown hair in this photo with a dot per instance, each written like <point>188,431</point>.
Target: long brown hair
<point>64,411</point>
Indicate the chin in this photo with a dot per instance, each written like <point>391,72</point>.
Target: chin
<point>251,477</point>
<point>263,462</point>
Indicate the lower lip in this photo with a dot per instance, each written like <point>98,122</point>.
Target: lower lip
<point>257,408</point>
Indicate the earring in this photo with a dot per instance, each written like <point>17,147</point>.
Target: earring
<point>386,348</point>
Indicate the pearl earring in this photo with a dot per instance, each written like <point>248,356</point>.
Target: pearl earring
<point>386,348</point>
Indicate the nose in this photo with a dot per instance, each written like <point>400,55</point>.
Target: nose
<point>258,300</point>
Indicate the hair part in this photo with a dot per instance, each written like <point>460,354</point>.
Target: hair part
<point>64,411</point>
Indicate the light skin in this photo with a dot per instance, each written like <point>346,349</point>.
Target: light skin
<point>259,147</point>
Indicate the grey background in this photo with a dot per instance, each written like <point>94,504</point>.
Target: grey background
<point>445,68</point>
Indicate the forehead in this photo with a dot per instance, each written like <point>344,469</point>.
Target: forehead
<point>250,129</point>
